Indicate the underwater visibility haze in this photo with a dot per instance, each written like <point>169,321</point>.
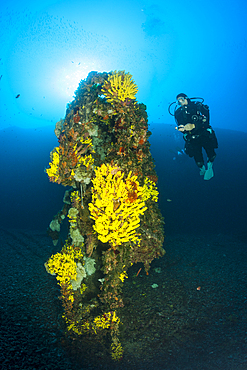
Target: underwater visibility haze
<point>115,252</point>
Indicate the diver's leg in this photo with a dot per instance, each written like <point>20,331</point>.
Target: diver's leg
<point>210,154</point>
<point>210,144</point>
<point>211,157</point>
<point>198,157</point>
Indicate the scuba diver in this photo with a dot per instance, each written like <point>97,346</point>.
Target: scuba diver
<point>192,118</point>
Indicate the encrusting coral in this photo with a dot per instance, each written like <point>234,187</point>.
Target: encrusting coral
<point>112,212</point>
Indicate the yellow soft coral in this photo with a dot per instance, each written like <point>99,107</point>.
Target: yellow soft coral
<point>119,87</point>
<point>87,160</point>
<point>87,141</point>
<point>150,190</point>
<point>63,265</point>
<point>69,159</point>
<point>75,197</point>
<point>105,321</point>
<point>81,158</point>
<point>53,171</point>
<point>116,351</point>
<point>123,275</point>
<point>102,322</point>
<point>116,205</point>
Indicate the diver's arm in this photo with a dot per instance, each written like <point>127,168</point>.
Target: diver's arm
<point>180,121</point>
<point>185,128</point>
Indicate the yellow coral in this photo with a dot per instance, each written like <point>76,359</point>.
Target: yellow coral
<point>86,325</point>
<point>89,143</point>
<point>123,275</point>
<point>104,321</point>
<point>115,318</point>
<point>75,253</point>
<point>72,215</point>
<point>75,197</point>
<point>74,326</point>
<point>70,157</point>
<point>63,265</point>
<point>150,190</point>
<point>116,351</point>
<point>86,160</point>
<point>119,86</point>
<point>53,171</point>
<point>83,288</point>
<point>116,205</point>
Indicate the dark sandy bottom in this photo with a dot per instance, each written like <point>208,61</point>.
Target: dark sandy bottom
<point>195,319</point>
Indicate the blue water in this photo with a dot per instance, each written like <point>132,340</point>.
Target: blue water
<point>198,206</point>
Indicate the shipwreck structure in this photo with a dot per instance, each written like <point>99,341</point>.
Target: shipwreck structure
<point>103,158</point>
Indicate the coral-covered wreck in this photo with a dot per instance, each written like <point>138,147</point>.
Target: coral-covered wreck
<point>104,158</point>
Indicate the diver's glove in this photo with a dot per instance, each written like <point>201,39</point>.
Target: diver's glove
<point>209,172</point>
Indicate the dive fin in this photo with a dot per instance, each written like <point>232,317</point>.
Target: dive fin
<point>209,172</point>
<point>202,170</point>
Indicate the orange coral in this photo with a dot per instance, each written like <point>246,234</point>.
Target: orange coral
<point>121,151</point>
<point>74,159</point>
<point>140,155</point>
<point>132,192</point>
<point>76,118</point>
<point>142,141</point>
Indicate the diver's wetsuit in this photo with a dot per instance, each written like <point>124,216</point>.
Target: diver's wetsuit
<point>202,136</point>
